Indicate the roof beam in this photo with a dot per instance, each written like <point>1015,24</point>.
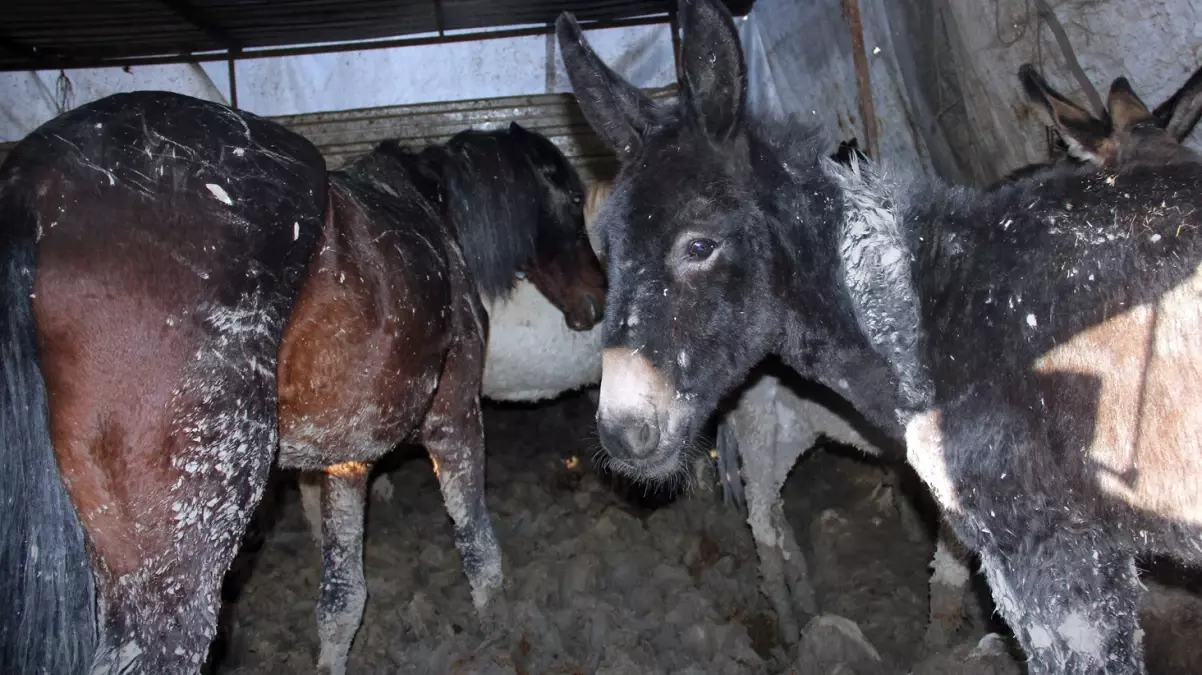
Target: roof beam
<point>207,26</point>
<point>42,60</point>
<point>11,46</point>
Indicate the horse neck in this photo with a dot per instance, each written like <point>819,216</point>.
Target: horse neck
<point>378,170</point>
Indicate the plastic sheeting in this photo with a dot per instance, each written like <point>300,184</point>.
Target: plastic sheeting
<point>944,72</point>
<point>349,80</point>
<point>800,62</point>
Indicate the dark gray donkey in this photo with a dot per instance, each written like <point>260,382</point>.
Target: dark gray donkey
<point>1036,347</point>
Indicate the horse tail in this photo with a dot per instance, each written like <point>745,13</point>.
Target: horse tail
<point>47,597</point>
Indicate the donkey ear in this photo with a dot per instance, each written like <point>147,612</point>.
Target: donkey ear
<point>714,80</point>
<point>1126,108</point>
<point>1086,136</point>
<point>1180,112</point>
<point>619,113</point>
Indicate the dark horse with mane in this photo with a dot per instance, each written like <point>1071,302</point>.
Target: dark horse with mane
<point>515,206</point>
<point>185,291</point>
<point>1036,347</point>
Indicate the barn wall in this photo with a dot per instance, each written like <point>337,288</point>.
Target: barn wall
<point>943,79</point>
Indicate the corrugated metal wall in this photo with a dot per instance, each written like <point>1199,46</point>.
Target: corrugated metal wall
<point>341,136</point>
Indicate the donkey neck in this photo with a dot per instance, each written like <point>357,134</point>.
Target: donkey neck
<point>823,342</point>
<point>824,334</point>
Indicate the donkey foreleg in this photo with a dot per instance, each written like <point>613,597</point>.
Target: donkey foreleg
<point>1073,606</point>
<point>770,438</point>
<point>797,572</point>
<point>949,590</point>
<point>343,493</point>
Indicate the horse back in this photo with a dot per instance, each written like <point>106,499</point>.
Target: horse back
<point>381,306</point>
<point>183,197</point>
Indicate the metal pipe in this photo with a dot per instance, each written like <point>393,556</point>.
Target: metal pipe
<point>277,52</point>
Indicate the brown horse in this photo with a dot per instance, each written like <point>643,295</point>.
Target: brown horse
<point>163,259</point>
<point>375,354</point>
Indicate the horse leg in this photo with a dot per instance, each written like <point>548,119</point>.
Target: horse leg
<point>343,493</point>
<point>1073,606</point>
<point>453,434</point>
<point>309,483</point>
<point>949,590</point>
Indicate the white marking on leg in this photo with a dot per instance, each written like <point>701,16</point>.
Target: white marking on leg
<point>1081,636</point>
<point>947,568</point>
<point>925,448</point>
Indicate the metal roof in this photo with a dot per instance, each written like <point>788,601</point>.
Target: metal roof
<point>90,33</point>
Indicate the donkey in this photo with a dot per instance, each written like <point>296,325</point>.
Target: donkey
<point>1034,347</point>
<point>777,426</point>
<point>1086,139</point>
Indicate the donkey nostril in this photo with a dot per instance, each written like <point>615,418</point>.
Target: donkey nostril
<point>641,439</point>
<point>630,439</point>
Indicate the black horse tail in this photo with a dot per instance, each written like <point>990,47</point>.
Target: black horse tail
<point>47,596</point>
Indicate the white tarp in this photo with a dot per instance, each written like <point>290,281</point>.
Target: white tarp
<point>348,80</point>
<point>943,79</point>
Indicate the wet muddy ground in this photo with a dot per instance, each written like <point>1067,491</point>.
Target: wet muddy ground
<point>603,577</point>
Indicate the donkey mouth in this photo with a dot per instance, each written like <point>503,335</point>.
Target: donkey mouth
<point>659,467</point>
<point>637,450</point>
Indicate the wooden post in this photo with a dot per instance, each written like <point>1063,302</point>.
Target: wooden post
<point>851,14</point>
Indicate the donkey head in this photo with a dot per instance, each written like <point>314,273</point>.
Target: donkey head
<point>1130,133</point>
<point>686,243</point>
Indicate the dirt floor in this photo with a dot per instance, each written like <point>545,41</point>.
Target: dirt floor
<point>602,578</point>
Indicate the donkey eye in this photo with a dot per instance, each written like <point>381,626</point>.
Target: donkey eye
<point>700,249</point>
<point>576,199</point>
